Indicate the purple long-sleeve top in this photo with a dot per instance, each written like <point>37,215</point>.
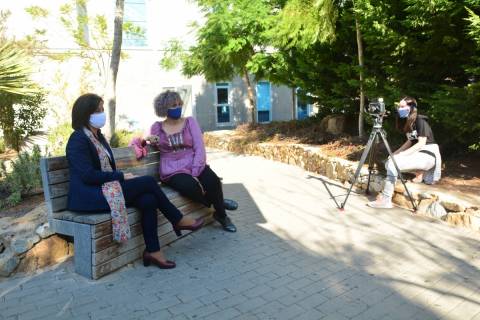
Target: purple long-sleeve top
<point>181,152</point>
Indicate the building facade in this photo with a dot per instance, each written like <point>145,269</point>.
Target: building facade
<point>216,106</point>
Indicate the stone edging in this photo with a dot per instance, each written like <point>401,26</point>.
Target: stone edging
<point>436,204</point>
<point>27,243</point>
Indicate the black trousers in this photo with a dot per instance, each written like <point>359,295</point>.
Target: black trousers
<point>188,187</point>
<point>144,194</point>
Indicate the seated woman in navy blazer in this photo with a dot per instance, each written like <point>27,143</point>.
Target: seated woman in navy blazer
<point>96,185</point>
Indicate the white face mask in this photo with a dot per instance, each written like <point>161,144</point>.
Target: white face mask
<point>98,120</point>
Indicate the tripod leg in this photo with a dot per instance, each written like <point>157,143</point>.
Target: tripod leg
<point>398,170</point>
<point>360,165</point>
<point>371,162</point>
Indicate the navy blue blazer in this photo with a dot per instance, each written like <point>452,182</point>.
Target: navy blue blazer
<point>86,176</point>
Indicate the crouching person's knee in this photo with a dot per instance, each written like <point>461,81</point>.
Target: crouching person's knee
<point>390,167</point>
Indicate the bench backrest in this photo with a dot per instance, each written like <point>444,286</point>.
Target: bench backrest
<point>55,174</point>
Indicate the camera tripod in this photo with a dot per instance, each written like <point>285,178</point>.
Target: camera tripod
<point>370,150</point>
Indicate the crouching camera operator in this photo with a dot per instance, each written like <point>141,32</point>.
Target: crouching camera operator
<point>419,152</point>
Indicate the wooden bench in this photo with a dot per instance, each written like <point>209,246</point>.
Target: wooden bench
<point>96,254</point>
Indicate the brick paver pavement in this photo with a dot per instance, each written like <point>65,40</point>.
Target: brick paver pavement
<point>294,257</point>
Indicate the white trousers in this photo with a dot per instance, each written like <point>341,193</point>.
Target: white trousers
<point>413,162</point>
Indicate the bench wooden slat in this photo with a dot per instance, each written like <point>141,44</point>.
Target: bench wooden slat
<point>123,258</point>
<point>105,240</point>
<point>58,190</point>
<point>58,204</point>
<point>111,252</point>
<point>149,169</point>
<point>96,218</point>
<point>61,177</point>
<point>123,157</point>
<point>58,176</point>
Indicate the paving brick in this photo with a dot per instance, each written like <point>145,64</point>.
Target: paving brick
<point>192,294</point>
<point>185,307</point>
<point>165,303</point>
<point>43,313</point>
<point>250,304</point>
<point>202,312</point>
<point>17,309</point>
<point>257,291</point>
<point>231,301</point>
<point>248,316</point>
<point>215,296</point>
<point>293,297</point>
<point>226,314</point>
<point>289,313</point>
<point>276,293</point>
<point>310,315</point>
<point>335,316</point>
<point>241,287</point>
<point>271,308</point>
<point>352,308</point>
<point>313,301</point>
<point>160,314</point>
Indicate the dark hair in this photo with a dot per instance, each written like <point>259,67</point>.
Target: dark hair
<point>165,100</point>
<point>83,108</point>
<point>407,126</point>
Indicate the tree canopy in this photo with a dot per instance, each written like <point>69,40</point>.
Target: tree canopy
<point>426,49</point>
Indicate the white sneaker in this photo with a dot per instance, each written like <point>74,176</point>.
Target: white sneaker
<point>382,202</point>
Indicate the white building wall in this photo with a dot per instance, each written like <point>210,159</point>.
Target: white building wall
<point>140,77</point>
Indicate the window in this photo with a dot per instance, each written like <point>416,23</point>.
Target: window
<point>135,20</point>
<point>222,103</point>
<point>304,109</point>
<point>264,103</point>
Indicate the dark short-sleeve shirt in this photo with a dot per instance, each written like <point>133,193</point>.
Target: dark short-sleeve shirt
<point>421,128</point>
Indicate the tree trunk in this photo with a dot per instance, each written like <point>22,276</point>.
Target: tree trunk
<point>361,130</point>
<point>7,124</point>
<point>114,63</point>
<point>251,97</point>
<point>294,102</point>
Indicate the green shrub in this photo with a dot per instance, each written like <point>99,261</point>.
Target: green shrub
<point>22,179</point>
<point>58,138</point>
<point>121,138</point>
<point>20,117</point>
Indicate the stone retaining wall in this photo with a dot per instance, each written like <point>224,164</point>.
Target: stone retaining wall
<point>431,203</point>
<point>27,243</point>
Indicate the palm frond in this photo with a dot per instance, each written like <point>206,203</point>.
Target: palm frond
<point>15,72</point>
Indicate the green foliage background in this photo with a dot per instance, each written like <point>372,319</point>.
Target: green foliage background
<point>23,178</point>
<point>426,49</point>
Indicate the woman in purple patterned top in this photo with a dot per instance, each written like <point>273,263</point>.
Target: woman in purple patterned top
<point>183,158</point>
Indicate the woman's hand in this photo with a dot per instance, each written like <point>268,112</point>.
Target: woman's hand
<point>153,139</point>
<point>128,176</point>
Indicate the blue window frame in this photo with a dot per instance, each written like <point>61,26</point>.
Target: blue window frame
<point>264,103</point>
<point>304,109</point>
<point>135,12</point>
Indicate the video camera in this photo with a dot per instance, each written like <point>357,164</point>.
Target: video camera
<point>376,107</point>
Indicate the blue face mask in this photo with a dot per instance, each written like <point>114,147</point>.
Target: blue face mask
<point>175,113</point>
<point>403,112</point>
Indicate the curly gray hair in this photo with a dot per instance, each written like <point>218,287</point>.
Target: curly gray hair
<point>166,100</point>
